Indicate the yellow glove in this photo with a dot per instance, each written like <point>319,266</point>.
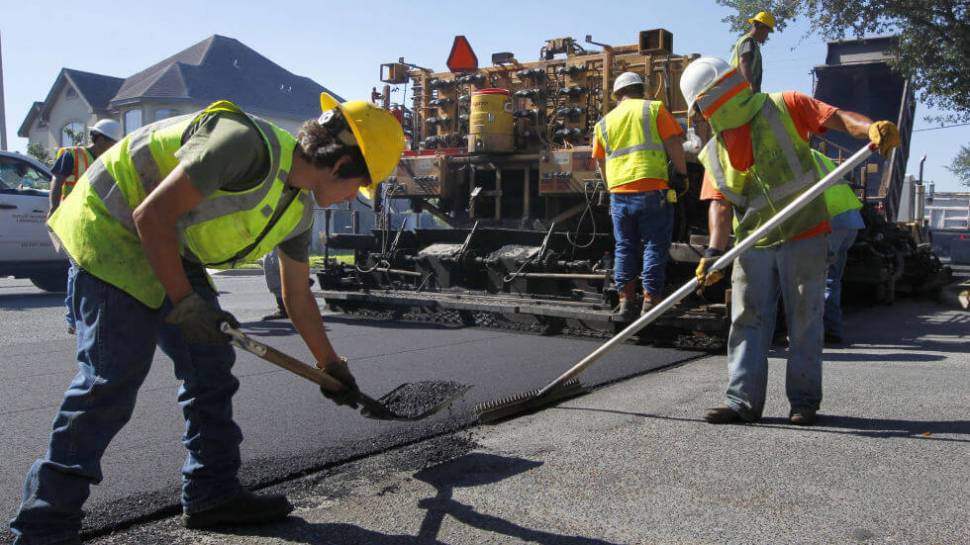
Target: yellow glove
<point>704,277</point>
<point>884,134</point>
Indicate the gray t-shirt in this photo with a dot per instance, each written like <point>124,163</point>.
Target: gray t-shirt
<point>222,150</point>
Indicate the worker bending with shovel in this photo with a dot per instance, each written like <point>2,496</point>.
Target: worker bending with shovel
<point>206,189</point>
<point>757,162</point>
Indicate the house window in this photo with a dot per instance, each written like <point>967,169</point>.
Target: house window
<point>164,113</point>
<point>70,93</point>
<point>73,134</point>
<point>132,120</point>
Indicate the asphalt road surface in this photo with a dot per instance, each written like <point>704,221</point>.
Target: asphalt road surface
<point>289,428</point>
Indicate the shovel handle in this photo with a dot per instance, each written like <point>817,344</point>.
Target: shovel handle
<point>270,354</point>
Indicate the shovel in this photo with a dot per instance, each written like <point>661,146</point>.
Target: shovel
<point>566,385</point>
<point>448,392</point>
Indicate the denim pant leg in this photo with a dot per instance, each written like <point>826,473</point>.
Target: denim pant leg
<point>656,229</point>
<point>802,273</point>
<point>69,296</point>
<point>754,296</point>
<point>115,345</point>
<point>211,437</point>
<point>839,243</point>
<point>626,234</point>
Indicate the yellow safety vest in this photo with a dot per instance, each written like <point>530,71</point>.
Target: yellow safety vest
<point>839,198</point>
<point>82,159</point>
<point>634,150</point>
<point>755,58</point>
<point>97,230</point>
<point>783,168</point>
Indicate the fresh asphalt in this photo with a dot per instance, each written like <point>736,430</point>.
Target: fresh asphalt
<point>289,428</point>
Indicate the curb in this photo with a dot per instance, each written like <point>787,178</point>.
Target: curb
<point>235,272</point>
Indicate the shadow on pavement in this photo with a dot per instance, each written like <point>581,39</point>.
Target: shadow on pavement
<point>29,301</point>
<point>899,357</point>
<point>879,428</point>
<point>475,469</point>
<point>387,324</point>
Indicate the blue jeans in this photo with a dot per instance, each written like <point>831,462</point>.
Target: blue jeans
<point>69,296</point>
<point>116,340</point>
<point>839,243</point>
<point>647,218</point>
<point>796,271</point>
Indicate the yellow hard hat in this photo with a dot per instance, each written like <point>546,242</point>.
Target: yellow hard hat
<point>379,136</point>
<point>764,18</point>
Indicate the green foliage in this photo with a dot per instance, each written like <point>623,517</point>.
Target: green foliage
<point>961,165</point>
<point>934,38</point>
<point>41,153</point>
<point>77,137</point>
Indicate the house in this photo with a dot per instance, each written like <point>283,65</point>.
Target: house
<point>214,69</point>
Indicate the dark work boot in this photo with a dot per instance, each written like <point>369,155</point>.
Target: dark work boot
<point>280,314</point>
<point>245,509</point>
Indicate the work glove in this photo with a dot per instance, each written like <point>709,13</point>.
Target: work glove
<point>341,371</point>
<point>200,320</point>
<point>709,278</point>
<point>885,135</point>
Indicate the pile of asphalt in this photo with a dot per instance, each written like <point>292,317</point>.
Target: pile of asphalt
<point>414,399</point>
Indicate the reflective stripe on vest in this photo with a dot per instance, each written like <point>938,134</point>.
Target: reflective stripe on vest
<point>81,159</point>
<point>645,156</point>
<point>720,90</point>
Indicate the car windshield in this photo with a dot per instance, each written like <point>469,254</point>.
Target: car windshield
<point>19,174</point>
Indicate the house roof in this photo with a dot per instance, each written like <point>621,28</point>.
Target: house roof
<point>220,68</point>
<point>95,89</point>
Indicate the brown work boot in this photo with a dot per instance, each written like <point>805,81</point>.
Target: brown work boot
<point>723,415</point>
<point>245,509</point>
<point>627,307</point>
<point>648,303</point>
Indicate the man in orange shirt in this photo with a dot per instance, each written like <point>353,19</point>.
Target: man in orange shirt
<point>632,146</point>
<point>759,161</point>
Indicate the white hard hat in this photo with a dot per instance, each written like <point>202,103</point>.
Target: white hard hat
<point>700,75</point>
<point>109,128</point>
<point>626,79</point>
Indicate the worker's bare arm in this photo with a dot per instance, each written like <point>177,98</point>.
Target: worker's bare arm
<point>57,185</point>
<point>853,123</point>
<point>303,310</point>
<point>601,164</point>
<point>675,150</point>
<point>719,224</point>
<point>155,220</point>
<point>744,65</point>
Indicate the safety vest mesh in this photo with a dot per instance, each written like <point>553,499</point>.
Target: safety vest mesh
<point>632,143</point>
<point>82,159</point>
<point>783,167</point>
<point>839,198</point>
<point>97,230</point>
<point>755,58</point>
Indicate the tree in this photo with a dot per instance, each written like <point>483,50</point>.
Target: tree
<point>39,152</point>
<point>961,165</point>
<point>934,38</point>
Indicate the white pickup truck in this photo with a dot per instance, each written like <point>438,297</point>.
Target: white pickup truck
<point>26,249</point>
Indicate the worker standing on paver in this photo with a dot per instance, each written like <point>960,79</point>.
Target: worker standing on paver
<point>632,146</point>
<point>210,188</point>
<point>69,165</point>
<point>757,162</point>
<point>843,207</point>
<point>746,56</point>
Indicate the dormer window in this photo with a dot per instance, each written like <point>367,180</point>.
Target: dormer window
<point>71,92</point>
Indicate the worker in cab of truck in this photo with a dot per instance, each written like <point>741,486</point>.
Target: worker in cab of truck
<point>69,164</point>
<point>206,189</point>
<point>756,163</point>
<point>746,56</point>
<point>632,147</point>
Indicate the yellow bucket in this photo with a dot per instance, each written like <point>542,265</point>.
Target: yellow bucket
<point>490,123</point>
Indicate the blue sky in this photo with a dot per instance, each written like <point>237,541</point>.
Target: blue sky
<point>342,45</point>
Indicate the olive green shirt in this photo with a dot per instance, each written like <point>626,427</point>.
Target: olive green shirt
<point>223,150</point>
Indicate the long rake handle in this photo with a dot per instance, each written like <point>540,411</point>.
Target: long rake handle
<point>855,160</point>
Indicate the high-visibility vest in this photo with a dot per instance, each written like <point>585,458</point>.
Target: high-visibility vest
<point>82,159</point>
<point>755,58</point>
<point>783,167</point>
<point>839,198</point>
<point>96,226</point>
<point>632,143</point>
